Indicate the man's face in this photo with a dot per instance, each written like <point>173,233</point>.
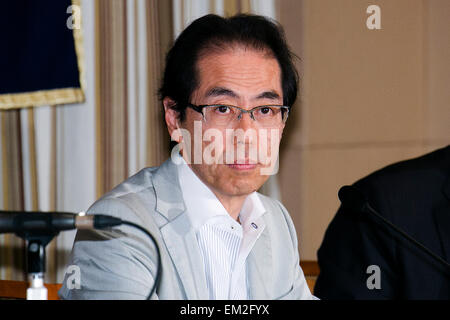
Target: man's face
<point>239,77</point>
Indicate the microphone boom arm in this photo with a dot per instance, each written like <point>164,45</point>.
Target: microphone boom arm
<point>407,236</point>
<point>354,200</point>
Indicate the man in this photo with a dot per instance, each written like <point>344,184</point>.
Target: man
<point>361,259</point>
<point>227,89</point>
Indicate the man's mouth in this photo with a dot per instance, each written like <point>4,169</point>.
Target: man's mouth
<point>242,165</point>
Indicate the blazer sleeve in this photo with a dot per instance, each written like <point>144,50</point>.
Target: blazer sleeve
<point>118,263</point>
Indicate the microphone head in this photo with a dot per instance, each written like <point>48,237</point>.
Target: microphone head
<point>352,199</point>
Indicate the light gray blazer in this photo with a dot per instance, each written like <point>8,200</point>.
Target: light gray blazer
<point>120,263</point>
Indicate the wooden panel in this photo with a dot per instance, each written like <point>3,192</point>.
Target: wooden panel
<point>310,268</point>
<point>18,290</point>
<point>366,99</point>
<point>311,271</point>
<point>311,283</point>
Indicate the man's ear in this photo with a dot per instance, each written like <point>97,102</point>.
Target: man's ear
<point>170,115</point>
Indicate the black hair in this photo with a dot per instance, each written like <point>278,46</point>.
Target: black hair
<point>180,78</point>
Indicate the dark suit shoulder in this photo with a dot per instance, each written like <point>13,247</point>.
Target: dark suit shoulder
<point>431,165</point>
<point>408,193</point>
<point>404,181</point>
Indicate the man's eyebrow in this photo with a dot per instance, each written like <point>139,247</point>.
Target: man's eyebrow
<point>220,91</point>
<point>269,95</point>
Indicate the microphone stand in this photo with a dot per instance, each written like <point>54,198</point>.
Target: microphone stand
<point>35,270</point>
<point>35,262</point>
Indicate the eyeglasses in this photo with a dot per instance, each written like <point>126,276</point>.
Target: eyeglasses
<point>223,115</point>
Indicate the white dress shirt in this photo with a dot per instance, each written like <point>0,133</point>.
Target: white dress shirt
<point>224,243</point>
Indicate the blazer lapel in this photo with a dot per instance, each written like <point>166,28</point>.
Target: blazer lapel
<point>178,234</point>
<point>181,243</point>
<point>259,268</point>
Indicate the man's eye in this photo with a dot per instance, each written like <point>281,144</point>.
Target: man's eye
<point>222,109</point>
<point>265,110</point>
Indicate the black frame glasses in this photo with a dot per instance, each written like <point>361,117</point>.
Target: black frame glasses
<point>199,109</point>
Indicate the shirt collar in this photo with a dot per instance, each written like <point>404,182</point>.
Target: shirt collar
<point>203,205</point>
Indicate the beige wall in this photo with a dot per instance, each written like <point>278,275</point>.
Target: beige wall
<point>368,98</point>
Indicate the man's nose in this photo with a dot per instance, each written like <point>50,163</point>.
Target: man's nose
<point>246,122</point>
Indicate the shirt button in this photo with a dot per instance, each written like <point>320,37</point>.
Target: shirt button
<point>254,225</point>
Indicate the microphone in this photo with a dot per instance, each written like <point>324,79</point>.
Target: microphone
<point>41,222</point>
<point>45,225</point>
<point>354,200</point>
